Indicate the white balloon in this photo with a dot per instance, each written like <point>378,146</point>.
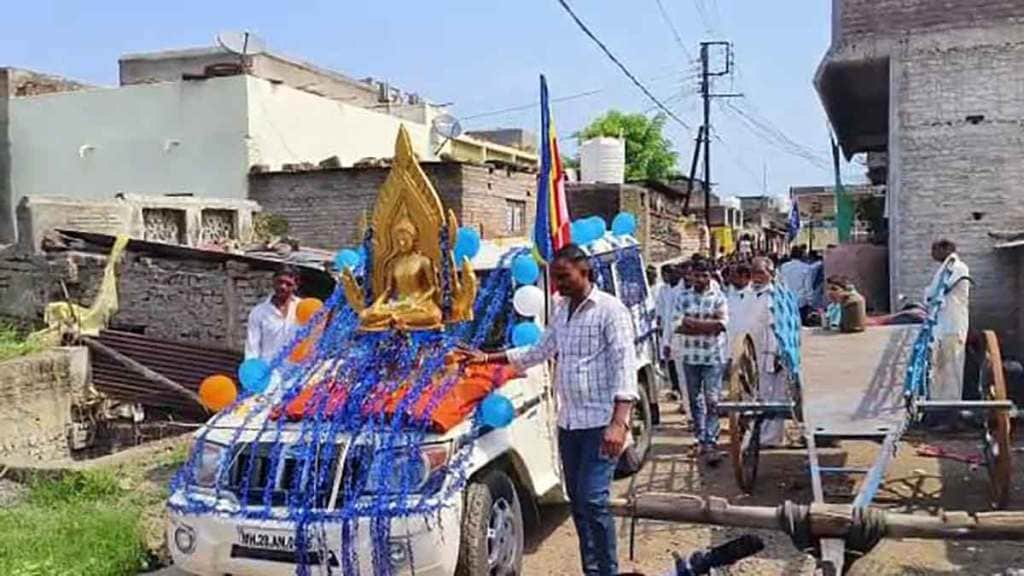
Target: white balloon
<point>528,301</point>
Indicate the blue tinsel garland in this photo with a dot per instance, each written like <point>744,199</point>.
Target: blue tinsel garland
<point>370,368</point>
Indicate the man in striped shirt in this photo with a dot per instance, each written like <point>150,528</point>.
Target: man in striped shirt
<point>592,336</point>
<point>703,315</point>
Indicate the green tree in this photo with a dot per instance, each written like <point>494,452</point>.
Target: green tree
<point>649,154</point>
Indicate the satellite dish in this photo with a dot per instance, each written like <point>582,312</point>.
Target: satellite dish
<point>446,127</point>
<point>241,43</point>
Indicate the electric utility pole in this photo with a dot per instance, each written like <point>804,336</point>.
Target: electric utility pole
<point>708,71</point>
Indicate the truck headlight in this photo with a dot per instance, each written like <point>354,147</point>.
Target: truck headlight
<point>185,539</point>
<point>410,467</point>
<point>207,463</point>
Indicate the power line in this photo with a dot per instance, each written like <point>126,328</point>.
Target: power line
<point>567,97</point>
<point>765,129</point>
<point>702,13</point>
<point>675,31</point>
<point>737,160</point>
<point>776,138</point>
<point>533,104</point>
<point>622,66</point>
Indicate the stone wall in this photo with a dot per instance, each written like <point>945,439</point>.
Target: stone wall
<point>327,208</point>
<point>857,19</point>
<point>36,395</point>
<point>956,154</point>
<point>185,300</point>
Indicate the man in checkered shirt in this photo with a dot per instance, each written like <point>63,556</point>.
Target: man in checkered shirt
<point>702,315</point>
<point>592,335</point>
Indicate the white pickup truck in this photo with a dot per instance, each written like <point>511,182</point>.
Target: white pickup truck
<point>511,471</point>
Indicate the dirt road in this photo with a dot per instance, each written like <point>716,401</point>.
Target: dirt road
<point>913,484</point>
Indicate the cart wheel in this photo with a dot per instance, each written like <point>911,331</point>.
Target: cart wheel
<point>996,441</point>
<point>744,429</point>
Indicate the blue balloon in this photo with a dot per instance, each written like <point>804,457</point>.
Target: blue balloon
<point>525,269</point>
<point>624,224</point>
<point>578,232</point>
<point>525,334</point>
<point>254,374</point>
<point>347,259</point>
<point>596,228</point>
<point>467,244</point>
<point>496,411</point>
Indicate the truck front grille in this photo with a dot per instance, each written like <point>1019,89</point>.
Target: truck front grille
<point>284,484</point>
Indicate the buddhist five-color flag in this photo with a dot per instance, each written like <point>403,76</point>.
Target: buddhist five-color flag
<point>551,226</point>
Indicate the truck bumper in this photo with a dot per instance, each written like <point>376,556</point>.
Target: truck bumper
<point>211,545</point>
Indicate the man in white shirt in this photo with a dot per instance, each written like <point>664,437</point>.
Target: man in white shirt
<point>798,276</point>
<point>745,247</point>
<point>591,333</point>
<point>664,309</point>
<point>272,322</point>
<point>952,284</point>
<point>760,320</point>
<point>738,298</point>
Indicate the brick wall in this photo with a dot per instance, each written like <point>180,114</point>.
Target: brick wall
<point>324,208</point>
<point>955,177</point>
<point>36,394</point>
<point>485,193</point>
<point>857,19</point>
<point>204,302</point>
<point>602,200</point>
<point>660,225</point>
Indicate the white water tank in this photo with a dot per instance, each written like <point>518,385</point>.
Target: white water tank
<point>603,160</point>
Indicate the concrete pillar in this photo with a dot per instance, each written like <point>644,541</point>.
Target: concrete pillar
<point>894,184</point>
<point>8,233</point>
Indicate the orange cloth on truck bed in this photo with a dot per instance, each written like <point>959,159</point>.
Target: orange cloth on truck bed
<point>461,398</point>
<point>300,405</point>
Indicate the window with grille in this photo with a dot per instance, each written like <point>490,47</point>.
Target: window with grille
<point>515,216</point>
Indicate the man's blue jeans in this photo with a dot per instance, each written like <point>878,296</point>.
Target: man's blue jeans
<point>588,479</point>
<point>704,384</point>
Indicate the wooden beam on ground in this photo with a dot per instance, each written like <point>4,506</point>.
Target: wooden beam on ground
<point>151,375</point>
<point>824,520</point>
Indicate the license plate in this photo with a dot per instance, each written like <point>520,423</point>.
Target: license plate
<point>281,540</point>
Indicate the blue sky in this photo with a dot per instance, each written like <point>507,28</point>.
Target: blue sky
<point>485,56</point>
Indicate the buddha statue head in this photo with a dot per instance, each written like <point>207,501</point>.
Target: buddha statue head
<point>404,233</point>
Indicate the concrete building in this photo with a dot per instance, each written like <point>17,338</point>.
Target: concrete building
<point>934,91</point>
<point>817,206</point>
<point>764,220</point>
<point>197,122</point>
<point>17,83</point>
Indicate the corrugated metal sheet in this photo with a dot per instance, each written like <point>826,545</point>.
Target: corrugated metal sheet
<point>186,364</point>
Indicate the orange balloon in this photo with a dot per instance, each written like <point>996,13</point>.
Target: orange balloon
<point>301,350</point>
<point>217,392</point>
<point>306,309</point>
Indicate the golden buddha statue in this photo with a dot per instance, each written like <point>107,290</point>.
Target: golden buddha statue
<point>409,299</point>
<point>404,279</point>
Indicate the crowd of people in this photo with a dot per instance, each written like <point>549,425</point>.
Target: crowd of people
<point>703,306</point>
